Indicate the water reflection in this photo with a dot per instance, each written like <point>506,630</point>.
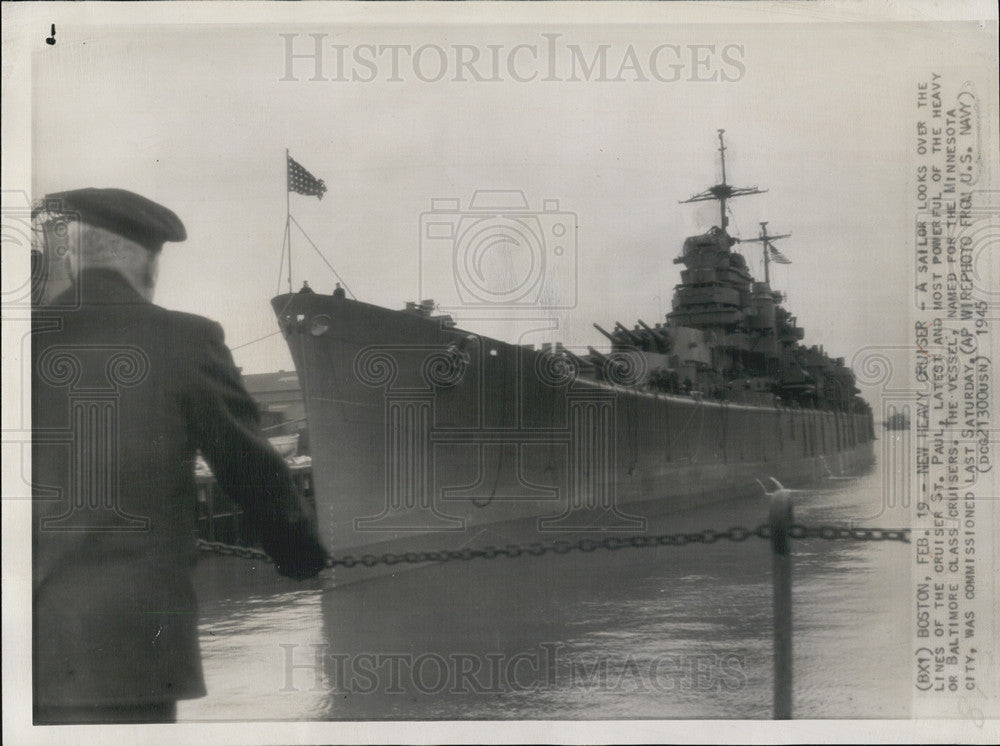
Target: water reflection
<point>671,632</point>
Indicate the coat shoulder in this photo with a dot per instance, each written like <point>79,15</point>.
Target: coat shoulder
<point>192,326</point>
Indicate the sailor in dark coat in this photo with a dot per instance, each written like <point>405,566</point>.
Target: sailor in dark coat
<point>123,395</point>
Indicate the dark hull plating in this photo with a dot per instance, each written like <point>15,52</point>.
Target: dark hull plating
<point>429,437</point>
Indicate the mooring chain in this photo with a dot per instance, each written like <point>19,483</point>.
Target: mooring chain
<point>537,549</point>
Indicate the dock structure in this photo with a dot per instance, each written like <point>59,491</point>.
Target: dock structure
<point>219,519</point>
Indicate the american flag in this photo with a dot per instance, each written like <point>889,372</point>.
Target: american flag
<point>301,181</point>
<point>778,257</point>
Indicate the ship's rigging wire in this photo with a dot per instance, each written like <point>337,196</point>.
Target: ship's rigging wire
<point>282,424</point>
<point>316,249</point>
<point>281,266</point>
<point>267,336</point>
<point>254,341</point>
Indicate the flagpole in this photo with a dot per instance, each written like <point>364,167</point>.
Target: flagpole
<point>288,221</point>
<point>765,241</point>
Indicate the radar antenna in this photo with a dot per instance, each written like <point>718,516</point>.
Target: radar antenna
<point>770,252</point>
<point>723,191</point>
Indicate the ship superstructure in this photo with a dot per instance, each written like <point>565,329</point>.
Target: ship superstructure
<point>728,336</point>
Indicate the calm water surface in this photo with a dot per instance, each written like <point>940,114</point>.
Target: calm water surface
<point>670,632</point>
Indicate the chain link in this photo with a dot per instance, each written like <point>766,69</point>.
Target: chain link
<point>611,543</point>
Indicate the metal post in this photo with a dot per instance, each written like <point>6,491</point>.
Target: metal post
<point>781,571</point>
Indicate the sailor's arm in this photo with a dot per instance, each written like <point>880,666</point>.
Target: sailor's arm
<point>225,426</point>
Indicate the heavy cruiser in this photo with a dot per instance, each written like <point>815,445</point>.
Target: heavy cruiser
<point>428,436</point>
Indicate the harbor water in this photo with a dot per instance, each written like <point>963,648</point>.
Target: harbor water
<point>663,632</point>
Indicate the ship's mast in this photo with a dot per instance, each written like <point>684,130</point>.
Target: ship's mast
<point>723,191</point>
<point>723,218</point>
<point>768,249</point>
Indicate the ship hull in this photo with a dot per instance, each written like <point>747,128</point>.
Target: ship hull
<point>426,437</point>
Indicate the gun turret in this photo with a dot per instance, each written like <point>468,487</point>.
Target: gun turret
<point>573,356</point>
<point>629,334</point>
<point>606,333</point>
<point>595,355</point>
<point>659,336</point>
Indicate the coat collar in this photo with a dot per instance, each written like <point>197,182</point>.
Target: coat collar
<point>100,286</point>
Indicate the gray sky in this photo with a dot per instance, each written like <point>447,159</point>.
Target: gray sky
<point>198,118</point>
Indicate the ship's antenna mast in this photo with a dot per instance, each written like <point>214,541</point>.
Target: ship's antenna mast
<point>769,251</point>
<point>723,219</point>
<point>723,191</point>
